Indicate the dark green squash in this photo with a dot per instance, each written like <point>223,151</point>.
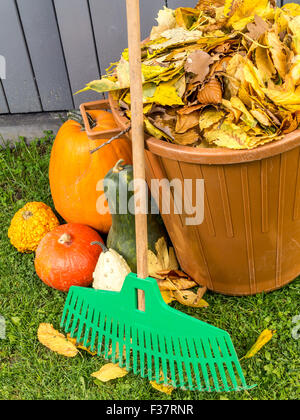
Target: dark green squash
<point>121,236</point>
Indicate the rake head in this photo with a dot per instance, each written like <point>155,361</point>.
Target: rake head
<point>161,343</point>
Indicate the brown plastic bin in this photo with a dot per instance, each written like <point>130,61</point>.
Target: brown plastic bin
<point>249,241</point>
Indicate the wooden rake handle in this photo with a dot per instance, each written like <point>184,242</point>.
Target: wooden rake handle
<point>137,124</point>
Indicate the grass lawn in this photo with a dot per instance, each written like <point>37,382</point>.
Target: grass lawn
<point>30,371</point>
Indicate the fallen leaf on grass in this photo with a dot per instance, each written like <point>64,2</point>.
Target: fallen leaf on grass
<point>165,388</point>
<point>109,371</point>
<point>79,346</point>
<point>189,298</point>
<point>263,339</point>
<point>55,341</point>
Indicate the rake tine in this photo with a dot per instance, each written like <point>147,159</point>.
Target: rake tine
<point>121,343</point>
<point>88,329</point>
<point>107,335</point>
<point>178,358</point>
<point>127,345</point>
<point>142,351</point>
<point>211,364</point>
<point>223,342</point>
<point>114,342</point>
<point>191,346</point>
<point>156,357</point>
<point>162,345</point>
<point>95,330</point>
<point>134,349</point>
<point>101,333</point>
<point>171,359</point>
<point>219,358</point>
<point>71,308</point>
<point>149,354</point>
<point>82,322</point>
<point>186,361</point>
<point>203,364</point>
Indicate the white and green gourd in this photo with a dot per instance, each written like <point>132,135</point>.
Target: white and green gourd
<point>111,270</point>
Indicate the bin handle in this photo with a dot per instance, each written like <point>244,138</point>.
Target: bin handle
<point>99,135</point>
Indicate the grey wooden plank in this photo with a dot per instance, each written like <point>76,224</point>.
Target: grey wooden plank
<point>19,85</point>
<point>3,104</point>
<point>43,41</point>
<point>173,4</point>
<point>110,27</point>
<point>289,1</point>
<point>78,45</point>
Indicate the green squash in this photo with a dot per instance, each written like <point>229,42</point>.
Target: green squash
<point>121,236</point>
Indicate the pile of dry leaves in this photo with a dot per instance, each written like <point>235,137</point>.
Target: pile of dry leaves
<point>226,73</point>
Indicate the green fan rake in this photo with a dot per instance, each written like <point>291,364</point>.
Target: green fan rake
<point>135,327</point>
<point>160,343</point>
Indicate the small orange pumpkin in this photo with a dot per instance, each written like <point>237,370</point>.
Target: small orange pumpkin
<point>65,256</point>
<point>76,175</point>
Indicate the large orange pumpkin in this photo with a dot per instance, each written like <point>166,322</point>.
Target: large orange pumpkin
<point>76,175</point>
<point>65,256</point>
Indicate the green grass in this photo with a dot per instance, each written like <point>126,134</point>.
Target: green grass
<point>30,371</point>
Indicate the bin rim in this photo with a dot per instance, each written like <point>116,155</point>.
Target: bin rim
<point>213,156</point>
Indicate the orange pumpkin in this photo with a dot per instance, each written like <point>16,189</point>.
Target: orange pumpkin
<point>76,175</point>
<point>65,256</point>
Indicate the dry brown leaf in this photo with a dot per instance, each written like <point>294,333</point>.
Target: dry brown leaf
<point>257,28</point>
<point>211,93</point>
<point>173,263</point>
<point>189,298</point>
<point>190,137</point>
<point>198,63</point>
<point>109,372</point>
<point>162,252</point>
<point>178,284</point>
<point>186,122</point>
<point>55,341</point>
<point>201,292</point>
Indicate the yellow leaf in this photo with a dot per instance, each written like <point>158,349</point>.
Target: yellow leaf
<point>173,263</point>
<point>278,53</point>
<point>166,95</point>
<point>79,346</point>
<point>55,341</point>
<point>263,339</point>
<point>166,388</point>
<point>162,253</point>
<point>189,298</point>
<point>228,135</point>
<point>109,372</point>
<point>154,265</point>
<point>167,296</point>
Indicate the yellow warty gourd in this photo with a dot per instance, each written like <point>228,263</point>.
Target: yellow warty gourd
<point>29,225</point>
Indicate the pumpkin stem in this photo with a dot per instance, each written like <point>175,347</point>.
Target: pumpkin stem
<point>103,246</point>
<point>118,166</point>
<point>76,116</point>
<point>27,214</point>
<point>65,239</point>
